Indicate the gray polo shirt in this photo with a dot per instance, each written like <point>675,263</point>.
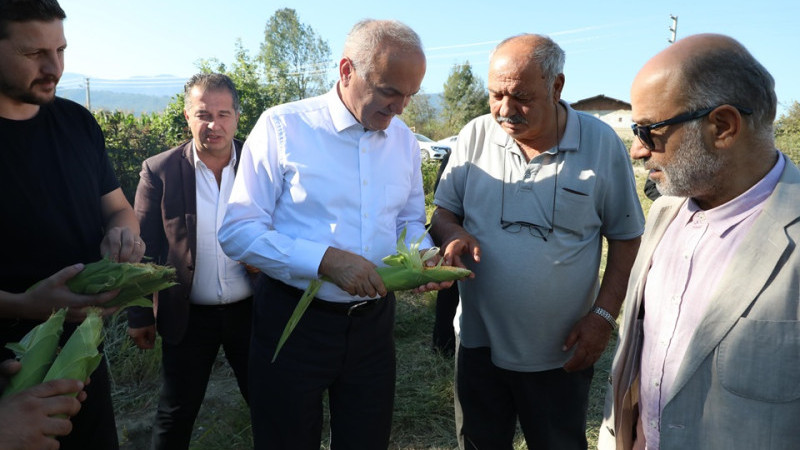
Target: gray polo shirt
<point>528,292</point>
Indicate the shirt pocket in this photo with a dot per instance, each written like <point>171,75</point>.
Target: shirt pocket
<point>575,211</point>
<point>759,360</point>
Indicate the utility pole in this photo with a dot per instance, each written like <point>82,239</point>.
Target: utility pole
<point>88,96</point>
<point>673,28</point>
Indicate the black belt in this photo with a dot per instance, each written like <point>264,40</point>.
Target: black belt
<point>355,308</point>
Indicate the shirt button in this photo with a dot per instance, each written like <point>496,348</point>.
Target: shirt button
<point>364,182</point>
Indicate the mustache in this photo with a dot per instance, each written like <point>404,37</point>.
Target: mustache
<point>44,80</point>
<point>515,119</point>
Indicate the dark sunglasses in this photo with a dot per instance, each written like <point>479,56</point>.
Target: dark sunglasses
<point>643,131</point>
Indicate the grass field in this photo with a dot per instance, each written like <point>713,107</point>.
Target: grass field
<point>423,416</point>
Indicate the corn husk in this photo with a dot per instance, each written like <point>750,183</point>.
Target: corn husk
<point>134,280</point>
<point>79,356</point>
<point>299,310</point>
<point>36,352</point>
<point>404,270</point>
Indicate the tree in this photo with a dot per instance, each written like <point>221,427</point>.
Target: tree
<point>420,116</point>
<point>465,98</point>
<point>787,132</point>
<point>255,95</point>
<point>294,58</point>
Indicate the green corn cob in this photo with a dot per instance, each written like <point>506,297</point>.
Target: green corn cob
<point>134,280</point>
<point>36,352</point>
<point>405,270</point>
<point>79,356</point>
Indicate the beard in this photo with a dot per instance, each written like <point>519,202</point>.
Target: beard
<point>31,94</point>
<point>693,169</point>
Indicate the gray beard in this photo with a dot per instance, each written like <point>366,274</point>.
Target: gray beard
<point>694,168</point>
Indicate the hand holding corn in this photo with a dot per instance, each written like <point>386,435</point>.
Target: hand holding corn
<point>406,269</point>
<point>104,283</point>
<point>53,293</point>
<point>42,361</point>
<point>33,417</point>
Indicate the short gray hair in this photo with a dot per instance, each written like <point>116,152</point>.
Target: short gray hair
<point>211,82</point>
<point>546,53</point>
<point>368,36</point>
<point>730,75</point>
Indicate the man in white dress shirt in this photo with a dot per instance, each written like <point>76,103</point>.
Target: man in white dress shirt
<point>180,202</point>
<point>326,185</point>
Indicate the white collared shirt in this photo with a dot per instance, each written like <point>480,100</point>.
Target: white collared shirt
<point>218,279</point>
<point>311,177</point>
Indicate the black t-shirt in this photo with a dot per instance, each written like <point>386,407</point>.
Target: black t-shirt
<point>53,170</point>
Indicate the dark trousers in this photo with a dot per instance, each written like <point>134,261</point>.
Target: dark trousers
<point>551,405</point>
<point>351,357</point>
<point>186,367</point>
<point>94,427</point>
<point>444,337</point>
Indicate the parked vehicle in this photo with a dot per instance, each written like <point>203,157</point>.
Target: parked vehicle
<point>431,149</point>
<point>449,141</point>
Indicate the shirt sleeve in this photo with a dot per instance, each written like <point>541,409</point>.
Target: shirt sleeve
<point>622,214</point>
<point>412,216</point>
<point>248,233</point>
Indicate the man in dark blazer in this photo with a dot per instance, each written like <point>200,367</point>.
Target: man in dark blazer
<point>180,201</point>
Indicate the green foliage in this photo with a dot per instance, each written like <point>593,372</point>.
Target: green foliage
<point>130,140</point>
<point>465,98</point>
<point>294,58</point>
<point>787,133</point>
<point>421,116</point>
<point>255,95</point>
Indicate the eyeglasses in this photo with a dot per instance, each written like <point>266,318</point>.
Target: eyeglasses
<point>535,230</point>
<point>643,131</point>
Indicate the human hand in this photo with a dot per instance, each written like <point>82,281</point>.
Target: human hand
<point>144,337</point>
<point>122,245</point>
<point>591,335</point>
<point>433,286</point>
<point>352,273</point>
<point>52,294</point>
<point>462,243</point>
<point>33,417</point>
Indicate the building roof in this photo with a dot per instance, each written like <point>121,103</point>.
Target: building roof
<point>600,102</point>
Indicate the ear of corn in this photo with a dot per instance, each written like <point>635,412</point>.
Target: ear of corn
<point>134,280</point>
<point>79,356</point>
<point>404,270</point>
<point>41,360</point>
<point>36,351</point>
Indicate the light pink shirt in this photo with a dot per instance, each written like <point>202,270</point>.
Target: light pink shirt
<point>686,267</point>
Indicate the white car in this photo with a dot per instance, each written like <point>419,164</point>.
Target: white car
<point>431,149</point>
<point>449,141</point>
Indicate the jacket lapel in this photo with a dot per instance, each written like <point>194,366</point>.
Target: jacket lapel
<point>750,270</point>
<point>187,172</point>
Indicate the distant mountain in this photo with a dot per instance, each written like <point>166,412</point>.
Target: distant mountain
<point>135,95</point>
<point>136,104</point>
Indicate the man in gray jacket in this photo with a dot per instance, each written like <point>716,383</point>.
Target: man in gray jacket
<point>710,345</point>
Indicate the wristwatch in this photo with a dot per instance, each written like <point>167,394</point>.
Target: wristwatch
<point>605,315</point>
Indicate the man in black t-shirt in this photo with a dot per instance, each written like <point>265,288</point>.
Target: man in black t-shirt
<point>62,203</point>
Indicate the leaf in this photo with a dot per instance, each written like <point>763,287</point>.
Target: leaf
<point>297,314</point>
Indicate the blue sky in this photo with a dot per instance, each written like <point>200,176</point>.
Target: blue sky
<point>606,42</point>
